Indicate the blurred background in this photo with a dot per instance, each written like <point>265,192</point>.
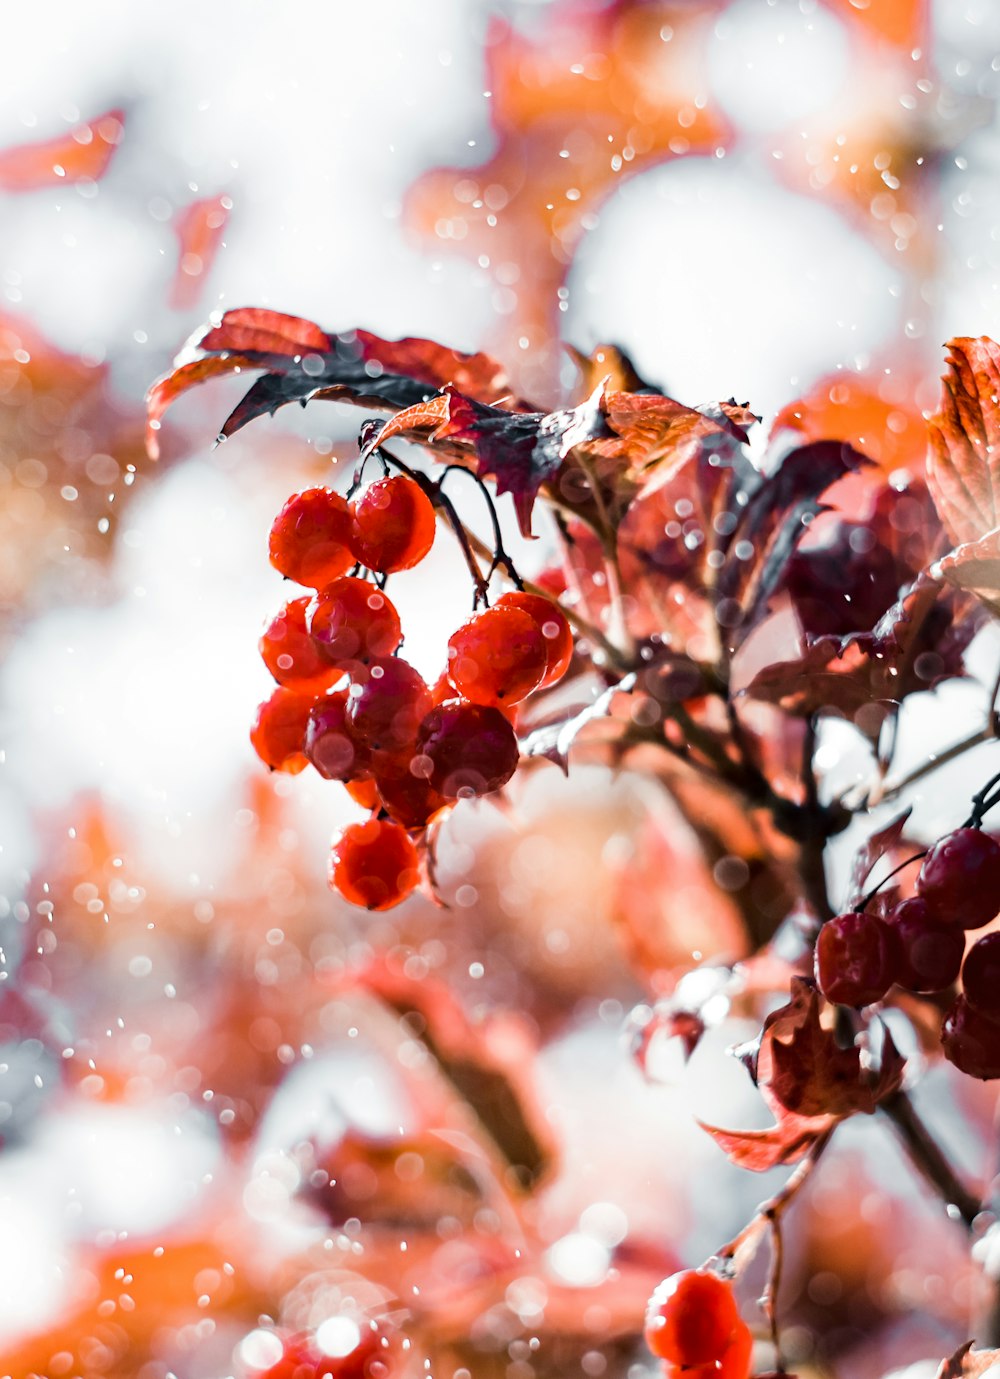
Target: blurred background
<point>793,203</point>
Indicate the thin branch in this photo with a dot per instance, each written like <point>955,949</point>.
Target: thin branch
<point>926,1155</point>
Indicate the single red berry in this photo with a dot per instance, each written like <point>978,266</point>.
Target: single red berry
<point>353,621</point>
<point>981,976</point>
<point>330,743</point>
<point>387,705</point>
<point>344,1347</point>
<point>363,791</point>
<point>466,749</point>
<point>497,657</point>
<point>310,538</point>
<point>960,877</point>
<point>393,524</point>
<point>855,959</point>
<point>411,800</point>
<point>554,628</point>
<point>733,1363</point>
<point>929,953</point>
<point>971,1041</point>
<point>290,653</point>
<point>374,864</point>
<point>278,731</point>
<point>691,1318</point>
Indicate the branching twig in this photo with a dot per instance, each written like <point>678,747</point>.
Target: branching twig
<point>926,1155</point>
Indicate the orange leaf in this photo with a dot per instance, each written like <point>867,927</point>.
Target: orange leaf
<point>83,153</point>
<point>199,228</point>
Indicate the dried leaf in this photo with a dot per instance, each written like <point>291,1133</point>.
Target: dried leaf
<point>967,1363</point>
<point>81,154</point>
<point>963,465</point>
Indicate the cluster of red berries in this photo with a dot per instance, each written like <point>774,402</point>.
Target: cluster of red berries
<point>694,1326</point>
<point>359,713</point>
<point>919,944</point>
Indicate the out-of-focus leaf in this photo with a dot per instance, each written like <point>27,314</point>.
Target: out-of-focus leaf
<point>963,465</point>
<point>967,1363</point>
<point>82,153</point>
<point>975,565</point>
<point>871,852</point>
<point>199,228</point>
<point>554,741</point>
<point>852,408</point>
<point>612,363</point>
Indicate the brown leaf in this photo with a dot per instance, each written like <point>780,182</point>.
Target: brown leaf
<point>963,465</point>
<point>83,153</point>
<point>612,363</point>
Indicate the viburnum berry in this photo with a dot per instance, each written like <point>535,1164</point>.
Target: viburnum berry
<point>733,1363</point>
<point>310,538</point>
<point>393,525</point>
<point>290,653</point>
<point>928,952</point>
<point>278,731</point>
<point>981,976</point>
<point>855,959</point>
<point>330,744</point>
<point>352,621</point>
<point>497,657</point>
<point>374,864</point>
<point>409,799</point>
<point>386,707</point>
<point>554,628</point>
<point>340,1348</point>
<point>971,1041</point>
<point>691,1318</point>
<point>960,877</point>
<point>466,749</point>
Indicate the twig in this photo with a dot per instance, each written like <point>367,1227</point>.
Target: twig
<point>926,1155</point>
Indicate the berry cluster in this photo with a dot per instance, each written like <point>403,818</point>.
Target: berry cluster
<point>347,703</point>
<point>693,1325</point>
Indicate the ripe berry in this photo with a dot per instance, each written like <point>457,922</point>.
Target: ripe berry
<point>466,749</point>
<point>353,621</point>
<point>386,709</point>
<point>855,959</point>
<point>554,628</point>
<point>362,791</point>
<point>497,657</point>
<point>981,976</point>
<point>929,953</point>
<point>290,653</point>
<point>960,877</point>
<point>279,729</point>
<point>691,1318</point>
<point>310,538</point>
<point>393,525</point>
<point>374,864</point>
<point>341,1348</point>
<point>733,1363</point>
<point>971,1041</point>
<point>409,799</point>
<point>329,742</point>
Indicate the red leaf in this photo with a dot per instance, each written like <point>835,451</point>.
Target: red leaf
<point>264,332</point>
<point>169,387</point>
<point>199,229</point>
<point>83,153</point>
<point>759,1150</point>
<point>963,466</point>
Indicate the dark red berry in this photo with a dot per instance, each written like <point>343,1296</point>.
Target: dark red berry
<point>310,538</point>
<point>352,622</point>
<point>960,877</point>
<point>971,1041</point>
<point>981,976</point>
<point>691,1318</point>
<point>278,731</point>
<point>330,744</point>
<point>290,653</point>
<point>497,657</point>
<point>855,959</point>
<point>374,864</point>
<point>409,799</point>
<point>363,791</point>
<point>466,749</point>
<point>393,524</point>
<point>553,626</point>
<point>929,953</point>
<point>388,704</point>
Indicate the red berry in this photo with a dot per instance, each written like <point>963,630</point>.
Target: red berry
<point>409,799</point>
<point>466,749</point>
<point>960,877</point>
<point>929,953</point>
<point>279,730</point>
<point>497,657</point>
<point>855,959</point>
<point>310,538</point>
<point>981,976</point>
<point>374,864</point>
<point>393,525</point>
<point>733,1363</point>
<point>363,791</point>
<point>344,1347</point>
<point>971,1041</point>
<point>290,653</point>
<point>554,628</point>
<point>385,710</point>
<point>353,621</point>
<point>330,744</point>
<point>691,1318</point>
